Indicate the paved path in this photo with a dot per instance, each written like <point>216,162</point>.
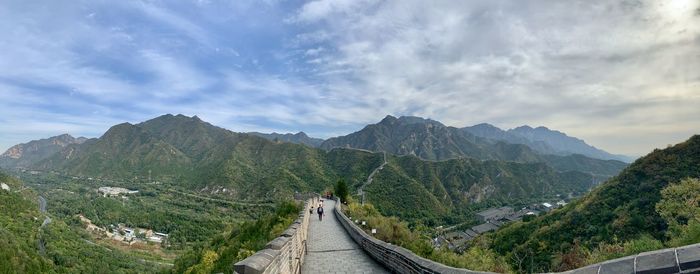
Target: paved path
<point>331,250</point>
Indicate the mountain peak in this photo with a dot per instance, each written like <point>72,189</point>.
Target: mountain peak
<point>388,120</point>
<point>485,126</point>
<point>525,127</point>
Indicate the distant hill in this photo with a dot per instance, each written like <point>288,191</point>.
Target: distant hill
<point>296,138</point>
<point>431,140</point>
<point>618,210</point>
<point>22,155</point>
<point>543,140</point>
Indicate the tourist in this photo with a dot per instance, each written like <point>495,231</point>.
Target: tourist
<point>320,212</point>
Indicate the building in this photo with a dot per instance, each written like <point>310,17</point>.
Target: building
<point>547,207</point>
<point>108,191</point>
<point>494,213</point>
<point>483,228</point>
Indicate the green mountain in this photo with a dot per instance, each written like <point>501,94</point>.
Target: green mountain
<point>619,210</point>
<point>124,151</point>
<point>431,140</point>
<point>296,138</point>
<point>22,155</point>
<point>192,153</point>
<point>189,151</point>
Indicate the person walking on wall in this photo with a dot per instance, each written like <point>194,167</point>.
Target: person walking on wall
<point>320,212</point>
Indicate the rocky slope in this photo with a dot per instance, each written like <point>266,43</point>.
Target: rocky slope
<point>22,155</point>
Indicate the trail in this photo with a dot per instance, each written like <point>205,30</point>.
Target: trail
<point>360,191</point>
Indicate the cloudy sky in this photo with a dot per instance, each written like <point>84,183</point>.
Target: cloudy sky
<point>622,75</point>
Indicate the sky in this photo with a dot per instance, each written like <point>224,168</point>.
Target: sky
<point>622,75</point>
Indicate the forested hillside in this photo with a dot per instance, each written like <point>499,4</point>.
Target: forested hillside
<point>620,210</point>
<point>436,190</point>
<point>31,245</point>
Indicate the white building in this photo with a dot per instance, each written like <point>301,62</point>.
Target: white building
<point>115,191</point>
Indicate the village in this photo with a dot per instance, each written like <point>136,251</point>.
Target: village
<point>492,218</point>
<point>121,232</point>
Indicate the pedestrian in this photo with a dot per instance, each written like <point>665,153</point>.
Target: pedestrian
<point>320,213</point>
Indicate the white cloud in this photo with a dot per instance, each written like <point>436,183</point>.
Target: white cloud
<point>583,67</point>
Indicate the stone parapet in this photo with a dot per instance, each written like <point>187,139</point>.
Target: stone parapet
<point>284,254</point>
<point>397,259</point>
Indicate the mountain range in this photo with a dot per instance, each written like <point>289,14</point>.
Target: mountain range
<point>543,140</point>
<point>431,140</point>
<point>190,152</point>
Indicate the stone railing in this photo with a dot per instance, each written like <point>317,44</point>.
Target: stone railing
<point>284,254</point>
<point>395,258</point>
<point>400,260</point>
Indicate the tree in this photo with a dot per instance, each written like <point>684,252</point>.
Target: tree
<point>680,203</point>
<point>341,190</point>
<point>680,208</point>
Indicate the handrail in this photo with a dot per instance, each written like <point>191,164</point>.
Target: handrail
<point>684,259</point>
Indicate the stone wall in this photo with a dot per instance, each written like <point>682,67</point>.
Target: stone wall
<point>400,260</point>
<point>284,254</point>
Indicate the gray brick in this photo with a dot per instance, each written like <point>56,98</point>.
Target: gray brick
<point>331,250</point>
<point>618,266</point>
<point>689,257</point>
<point>657,262</point>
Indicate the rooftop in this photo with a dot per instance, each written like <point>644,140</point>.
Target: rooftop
<point>484,228</point>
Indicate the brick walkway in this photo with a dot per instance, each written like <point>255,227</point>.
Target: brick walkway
<point>331,250</point>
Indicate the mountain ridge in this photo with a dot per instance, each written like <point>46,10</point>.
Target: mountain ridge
<point>544,140</point>
<point>296,138</point>
<point>432,140</point>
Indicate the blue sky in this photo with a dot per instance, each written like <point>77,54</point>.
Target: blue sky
<point>621,75</point>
